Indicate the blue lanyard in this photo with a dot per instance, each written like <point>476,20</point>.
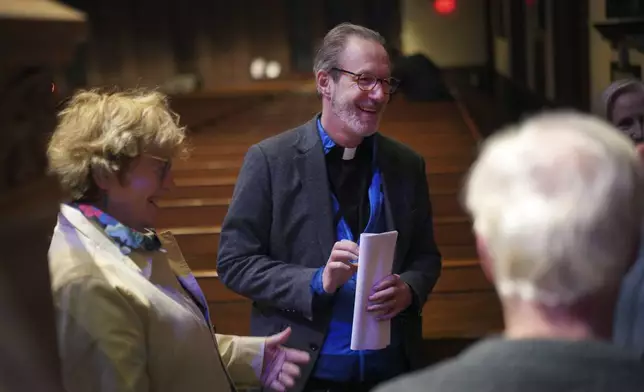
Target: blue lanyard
<point>343,231</point>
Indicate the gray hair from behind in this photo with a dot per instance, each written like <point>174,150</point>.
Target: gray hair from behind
<point>558,201</point>
<point>327,56</point>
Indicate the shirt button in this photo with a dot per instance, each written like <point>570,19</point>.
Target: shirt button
<point>313,347</point>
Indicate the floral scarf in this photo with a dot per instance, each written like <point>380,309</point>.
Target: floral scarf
<point>127,239</point>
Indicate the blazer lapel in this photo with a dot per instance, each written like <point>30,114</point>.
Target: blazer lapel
<point>311,167</point>
<point>183,272</point>
<point>395,202</point>
<point>100,239</point>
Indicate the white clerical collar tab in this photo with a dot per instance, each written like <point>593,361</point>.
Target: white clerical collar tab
<point>349,154</point>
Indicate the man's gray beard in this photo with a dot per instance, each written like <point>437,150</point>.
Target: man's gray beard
<point>349,117</point>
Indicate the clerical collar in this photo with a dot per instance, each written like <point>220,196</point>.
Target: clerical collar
<point>349,153</point>
<point>328,143</point>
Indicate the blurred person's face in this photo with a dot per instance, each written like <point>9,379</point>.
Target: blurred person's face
<point>628,114</point>
<point>132,199</point>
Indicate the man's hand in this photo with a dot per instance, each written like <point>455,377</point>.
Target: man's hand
<point>390,296</point>
<point>280,368</point>
<point>339,268</point>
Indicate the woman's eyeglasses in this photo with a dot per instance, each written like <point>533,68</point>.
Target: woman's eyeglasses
<point>167,165</point>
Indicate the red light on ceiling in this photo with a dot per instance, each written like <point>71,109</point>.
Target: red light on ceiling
<point>445,7</point>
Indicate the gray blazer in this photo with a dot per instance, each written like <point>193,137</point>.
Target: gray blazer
<point>279,231</point>
<point>628,327</point>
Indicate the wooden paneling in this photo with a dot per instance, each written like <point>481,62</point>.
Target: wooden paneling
<point>146,43</point>
<point>38,39</point>
<point>231,318</point>
<point>469,314</point>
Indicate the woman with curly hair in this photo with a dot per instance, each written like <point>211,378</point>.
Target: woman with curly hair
<point>130,316</point>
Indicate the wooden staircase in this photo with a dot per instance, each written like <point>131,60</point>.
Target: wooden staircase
<point>463,304</point>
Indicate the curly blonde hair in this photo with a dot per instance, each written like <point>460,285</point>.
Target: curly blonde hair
<point>106,131</point>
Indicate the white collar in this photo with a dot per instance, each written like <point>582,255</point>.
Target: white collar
<point>349,154</point>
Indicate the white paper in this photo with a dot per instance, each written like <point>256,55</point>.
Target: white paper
<point>375,262</point>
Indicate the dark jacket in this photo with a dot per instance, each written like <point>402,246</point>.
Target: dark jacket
<point>530,365</point>
<point>279,231</point>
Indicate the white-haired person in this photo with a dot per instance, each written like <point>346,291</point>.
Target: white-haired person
<point>557,206</point>
<point>622,103</point>
<point>130,316</point>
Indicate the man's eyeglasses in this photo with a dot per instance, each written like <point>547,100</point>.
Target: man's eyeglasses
<point>367,82</point>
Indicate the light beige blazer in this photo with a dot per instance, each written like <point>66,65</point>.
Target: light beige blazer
<point>126,323</point>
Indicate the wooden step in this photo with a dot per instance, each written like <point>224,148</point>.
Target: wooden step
<point>205,181</point>
<point>462,295</point>
<point>435,181</point>
<point>433,163</point>
<point>457,276</point>
<point>192,212</point>
<point>415,140</point>
<point>436,125</point>
<point>231,149</point>
<point>224,172</point>
<point>199,261</point>
<point>237,153</point>
<point>453,231</point>
<point>446,202</point>
<point>201,191</point>
<point>456,166</point>
<point>204,153</point>
<point>458,252</point>
<point>473,315</point>
<point>206,164</point>
<point>200,244</point>
<point>470,314</point>
<point>204,211</point>
<point>446,180</point>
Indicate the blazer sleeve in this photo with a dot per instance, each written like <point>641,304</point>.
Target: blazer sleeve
<point>243,358</point>
<point>243,263</point>
<point>101,338</point>
<point>424,260</point>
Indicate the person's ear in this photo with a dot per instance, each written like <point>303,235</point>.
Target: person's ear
<point>484,258</point>
<point>102,178</point>
<point>324,81</point>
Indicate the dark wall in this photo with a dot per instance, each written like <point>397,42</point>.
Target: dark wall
<point>147,42</point>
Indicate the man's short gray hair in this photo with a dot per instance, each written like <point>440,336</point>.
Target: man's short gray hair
<point>558,201</point>
<point>335,41</point>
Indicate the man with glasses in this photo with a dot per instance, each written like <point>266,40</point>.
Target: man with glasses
<point>290,238</point>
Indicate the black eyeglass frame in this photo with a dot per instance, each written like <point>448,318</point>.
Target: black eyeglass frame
<point>393,83</point>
